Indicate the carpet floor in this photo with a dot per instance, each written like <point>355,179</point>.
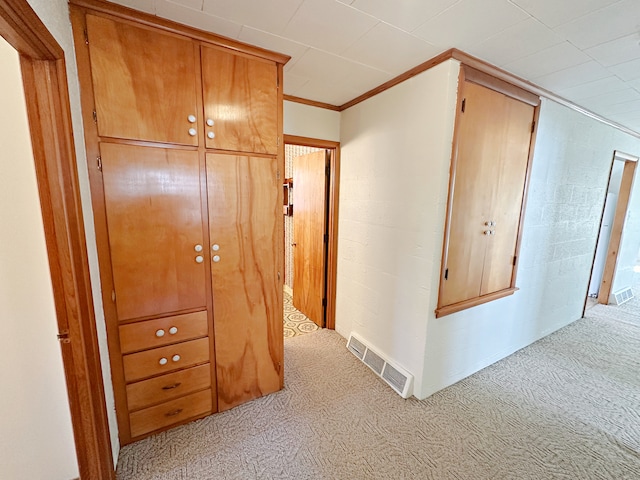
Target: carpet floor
<point>566,407</point>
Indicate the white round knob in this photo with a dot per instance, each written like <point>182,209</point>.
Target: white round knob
<point>192,132</point>
<point>160,333</point>
<point>210,122</point>
<point>175,358</point>
<point>191,118</point>
<point>215,247</point>
<point>199,259</point>
<point>163,361</point>
<point>173,330</point>
<point>487,232</point>
<point>198,248</point>
<point>211,135</point>
<point>216,258</point>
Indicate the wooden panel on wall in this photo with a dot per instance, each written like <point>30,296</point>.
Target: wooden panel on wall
<point>240,96</point>
<point>245,217</point>
<point>152,198</point>
<point>144,82</point>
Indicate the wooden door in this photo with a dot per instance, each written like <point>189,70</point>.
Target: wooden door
<point>508,174</point>
<point>144,82</point>
<point>245,221</point>
<point>154,220</point>
<point>240,102</point>
<point>309,228</point>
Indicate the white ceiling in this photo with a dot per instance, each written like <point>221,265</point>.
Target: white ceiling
<point>587,51</point>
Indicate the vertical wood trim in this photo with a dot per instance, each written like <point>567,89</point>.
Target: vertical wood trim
<point>49,116</point>
<point>280,167</point>
<point>334,202</point>
<point>616,232</point>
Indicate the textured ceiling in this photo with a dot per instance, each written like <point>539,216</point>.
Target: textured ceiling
<point>587,51</point>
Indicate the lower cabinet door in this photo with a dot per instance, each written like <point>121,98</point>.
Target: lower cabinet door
<point>167,387</point>
<point>169,413</point>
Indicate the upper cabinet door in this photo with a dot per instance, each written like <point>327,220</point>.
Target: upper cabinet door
<point>144,83</point>
<point>240,102</point>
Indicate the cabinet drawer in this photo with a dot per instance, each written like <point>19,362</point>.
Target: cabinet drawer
<point>165,359</point>
<point>169,413</point>
<point>169,386</point>
<point>163,331</point>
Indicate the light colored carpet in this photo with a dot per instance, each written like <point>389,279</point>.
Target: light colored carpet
<point>295,322</point>
<point>567,407</point>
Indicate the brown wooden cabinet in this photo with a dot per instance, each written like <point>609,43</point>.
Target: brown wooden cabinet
<point>492,147</point>
<point>182,135</point>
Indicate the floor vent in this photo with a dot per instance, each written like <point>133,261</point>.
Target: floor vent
<point>623,296</point>
<point>397,378</point>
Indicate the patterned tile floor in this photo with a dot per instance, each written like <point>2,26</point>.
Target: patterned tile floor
<point>295,322</point>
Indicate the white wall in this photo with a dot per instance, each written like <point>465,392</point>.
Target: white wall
<point>55,15</point>
<point>313,122</point>
<point>37,439</point>
<point>395,151</point>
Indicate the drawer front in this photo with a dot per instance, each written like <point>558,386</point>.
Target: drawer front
<point>163,331</point>
<point>169,413</point>
<point>167,387</point>
<point>165,359</point>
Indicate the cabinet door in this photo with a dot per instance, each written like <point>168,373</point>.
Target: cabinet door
<point>241,99</point>
<point>152,200</point>
<point>144,82</point>
<point>245,217</point>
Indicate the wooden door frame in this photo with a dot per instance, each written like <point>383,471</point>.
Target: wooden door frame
<point>630,162</point>
<point>44,77</point>
<point>334,190</point>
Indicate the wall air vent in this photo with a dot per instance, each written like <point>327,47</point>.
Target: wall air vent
<point>398,378</point>
<point>622,296</point>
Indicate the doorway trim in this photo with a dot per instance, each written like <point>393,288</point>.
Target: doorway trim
<point>49,113</point>
<point>334,190</point>
<point>617,227</point>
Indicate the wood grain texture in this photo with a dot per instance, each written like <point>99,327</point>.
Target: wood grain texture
<point>147,364</point>
<point>169,413</point>
<point>144,82</point>
<point>152,199</point>
<point>473,302</point>
<point>240,96</point>
<point>23,29</point>
<point>245,218</point>
<point>309,225</point>
<point>144,335</point>
<point>312,103</point>
<point>166,387</point>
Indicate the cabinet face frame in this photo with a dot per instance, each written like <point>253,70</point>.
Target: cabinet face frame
<point>78,10</point>
<point>468,74</point>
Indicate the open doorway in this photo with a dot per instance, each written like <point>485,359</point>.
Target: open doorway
<point>601,283</point>
<point>310,223</point>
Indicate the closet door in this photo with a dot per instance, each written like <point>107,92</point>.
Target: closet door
<point>154,220</point>
<point>245,221</point>
<point>144,82</point>
<point>240,102</point>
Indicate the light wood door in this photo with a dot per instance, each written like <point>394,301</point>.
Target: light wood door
<point>494,135</point>
<point>245,221</point>
<point>309,228</point>
<point>144,82</point>
<point>154,220</point>
<point>240,98</point>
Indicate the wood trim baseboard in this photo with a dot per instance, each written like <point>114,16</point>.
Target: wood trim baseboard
<point>334,201</point>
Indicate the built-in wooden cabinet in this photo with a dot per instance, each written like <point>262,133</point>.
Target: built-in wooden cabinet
<point>491,156</point>
<point>183,142</point>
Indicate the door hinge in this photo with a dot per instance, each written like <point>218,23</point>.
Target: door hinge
<point>95,117</point>
<point>464,104</point>
<point>278,141</point>
<point>533,126</point>
<point>86,37</point>
<point>278,175</point>
<point>278,276</point>
<point>63,336</point>
<point>446,274</point>
<point>515,257</point>
<point>113,296</point>
<point>99,162</point>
